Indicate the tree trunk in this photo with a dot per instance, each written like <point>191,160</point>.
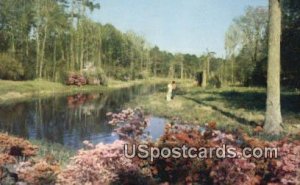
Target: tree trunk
<point>171,71</point>
<point>71,56</point>
<point>181,68</point>
<point>204,78</point>
<point>27,46</point>
<point>77,50</point>
<point>256,47</point>
<point>43,53</point>
<point>37,52</point>
<point>131,64</point>
<point>224,81</point>
<point>81,51</point>
<point>99,59</point>
<point>54,59</point>
<point>273,118</point>
<point>148,63</point>
<point>142,60</point>
<point>232,69</point>
<point>82,35</point>
<point>100,50</point>
<point>155,70</point>
<point>208,66</point>
<point>154,65</point>
<point>72,60</point>
<point>13,47</point>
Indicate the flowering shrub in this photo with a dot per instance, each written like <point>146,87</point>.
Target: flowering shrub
<point>16,146</point>
<point>283,170</point>
<point>131,124</point>
<point>106,163</point>
<point>15,167</point>
<point>186,170</point>
<point>37,172</point>
<point>7,159</point>
<point>234,171</point>
<point>76,79</point>
<point>286,169</point>
<point>249,171</point>
<point>98,164</point>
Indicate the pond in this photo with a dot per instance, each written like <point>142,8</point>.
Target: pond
<point>69,120</point>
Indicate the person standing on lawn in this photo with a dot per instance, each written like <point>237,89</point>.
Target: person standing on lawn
<point>170,92</point>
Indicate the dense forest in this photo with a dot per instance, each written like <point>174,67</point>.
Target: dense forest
<point>51,38</point>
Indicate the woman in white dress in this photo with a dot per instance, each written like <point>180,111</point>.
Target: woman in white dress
<point>169,93</point>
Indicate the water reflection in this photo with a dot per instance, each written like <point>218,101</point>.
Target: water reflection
<point>72,119</point>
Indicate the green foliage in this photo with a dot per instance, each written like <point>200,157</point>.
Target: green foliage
<point>290,58</point>
<point>51,37</point>
<point>120,73</point>
<point>96,76</point>
<point>246,46</point>
<point>10,68</point>
<point>259,74</point>
<point>102,76</point>
<point>143,75</point>
<point>214,82</point>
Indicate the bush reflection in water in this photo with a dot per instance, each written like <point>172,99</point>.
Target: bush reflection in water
<point>69,120</point>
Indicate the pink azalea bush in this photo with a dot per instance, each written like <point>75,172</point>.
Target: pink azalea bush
<point>37,172</point>
<point>106,164</point>
<point>286,169</point>
<point>130,124</point>
<point>234,171</point>
<point>240,170</point>
<point>99,164</point>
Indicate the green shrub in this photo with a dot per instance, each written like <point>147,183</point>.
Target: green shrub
<point>214,81</point>
<point>121,74</point>
<point>10,68</point>
<point>96,76</point>
<point>143,74</point>
<point>101,76</point>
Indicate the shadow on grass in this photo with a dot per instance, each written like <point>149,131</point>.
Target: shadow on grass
<point>257,101</point>
<point>251,100</point>
<point>228,114</point>
<point>254,101</point>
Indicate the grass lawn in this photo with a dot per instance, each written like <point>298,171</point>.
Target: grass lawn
<point>230,107</point>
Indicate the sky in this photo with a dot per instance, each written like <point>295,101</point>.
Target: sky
<point>186,26</point>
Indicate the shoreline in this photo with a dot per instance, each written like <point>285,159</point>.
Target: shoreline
<point>14,91</point>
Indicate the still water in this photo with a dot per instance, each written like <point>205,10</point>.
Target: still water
<point>69,120</point>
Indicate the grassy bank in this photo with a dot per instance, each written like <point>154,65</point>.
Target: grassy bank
<point>231,108</point>
<point>20,90</point>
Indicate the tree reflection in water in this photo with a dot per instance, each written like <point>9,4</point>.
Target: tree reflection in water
<point>69,120</point>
